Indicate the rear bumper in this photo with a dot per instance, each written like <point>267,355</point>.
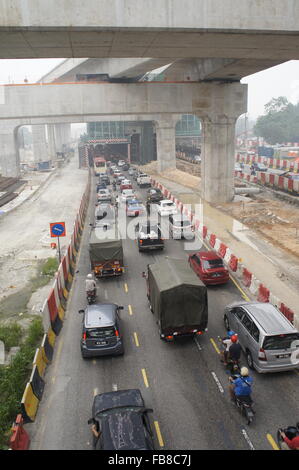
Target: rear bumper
<point>150,247</point>
<point>265,369</point>
<point>215,282</point>
<point>105,351</point>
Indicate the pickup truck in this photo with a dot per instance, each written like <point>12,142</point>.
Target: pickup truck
<point>149,236</point>
<point>143,180</point>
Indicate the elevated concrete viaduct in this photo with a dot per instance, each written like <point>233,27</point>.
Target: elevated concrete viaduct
<point>217,105</point>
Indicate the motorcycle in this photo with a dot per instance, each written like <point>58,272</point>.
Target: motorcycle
<point>290,432</point>
<point>91,296</point>
<point>244,404</point>
<point>232,366</point>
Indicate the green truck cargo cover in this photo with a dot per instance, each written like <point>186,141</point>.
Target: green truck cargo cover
<point>104,245</point>
<point>177,296</point>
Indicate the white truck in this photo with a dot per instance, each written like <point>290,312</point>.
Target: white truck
<point>143,180</point>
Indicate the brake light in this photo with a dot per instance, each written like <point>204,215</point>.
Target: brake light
<point>84,336</point>
<point>140,241</point>
<point>199,333</point>
<point>169,337</point>
<point>116,333</point>
<point>262,355</point>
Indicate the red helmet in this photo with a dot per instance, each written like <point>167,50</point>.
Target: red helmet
<point>234,338</point>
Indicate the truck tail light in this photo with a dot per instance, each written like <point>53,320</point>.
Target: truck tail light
<point>84,336</point>
<point>199,333</point>
<point>170,337</point>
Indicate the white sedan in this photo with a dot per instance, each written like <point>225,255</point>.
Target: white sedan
<point>127,194</point>
<point>104,195</point>
<point>166,207</point>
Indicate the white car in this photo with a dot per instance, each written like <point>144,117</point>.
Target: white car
<point>104,195</point>
<point>166,207</point>
<point>127,194</point>
<point>121,163</point>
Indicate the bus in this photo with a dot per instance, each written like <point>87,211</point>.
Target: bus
<point>100,166</point>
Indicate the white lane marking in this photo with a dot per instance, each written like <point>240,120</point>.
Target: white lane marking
<point>217,382</point>
<point>114,387</point>
<point>95,391</point>
<point>106,294</point>
<point>197,344</point>
<point>247,439</point>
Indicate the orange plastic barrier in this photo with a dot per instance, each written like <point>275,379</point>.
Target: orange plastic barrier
<point>263,294</point>
<point>204,231</point>
<point>247,277</point>
<point>222,250</point>
<point>233,263</point>
<point>212,240</point>
<point>288,313</point>
<point>20,439</point>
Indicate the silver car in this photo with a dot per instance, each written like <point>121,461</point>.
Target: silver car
<point>270,342</point>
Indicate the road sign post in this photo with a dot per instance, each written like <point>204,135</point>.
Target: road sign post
<point>57,230</point>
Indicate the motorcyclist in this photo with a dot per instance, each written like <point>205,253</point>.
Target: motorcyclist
<point>90,284</point>
<point>114,185</point>
<point>226,341</point>
<point>291,441</point>
<point>240,386</point>
<point>234,351</point>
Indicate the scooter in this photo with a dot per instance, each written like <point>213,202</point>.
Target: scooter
<point>290,432</point>
<point>244,403</point>
<point>91,296</point>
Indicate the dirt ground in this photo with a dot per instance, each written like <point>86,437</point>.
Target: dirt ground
<point>276,220</point>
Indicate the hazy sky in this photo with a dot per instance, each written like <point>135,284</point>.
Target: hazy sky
<point>282,80</point>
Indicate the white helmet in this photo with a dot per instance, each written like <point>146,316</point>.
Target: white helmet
<point>244,371</point>
<point>89,276</point>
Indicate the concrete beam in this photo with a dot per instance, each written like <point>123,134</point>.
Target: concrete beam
<point>236,29</point>
<point>77,101</point>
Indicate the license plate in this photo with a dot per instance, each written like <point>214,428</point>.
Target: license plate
<point>216,275</point>
<point>101,343</point>
<point>281,356</point>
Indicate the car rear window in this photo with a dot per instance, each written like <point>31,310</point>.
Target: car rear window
<point>280,341</point>
<point>181,223</point>
<point>167,204</point>
<point>212,263</point>
<point>100,332</point>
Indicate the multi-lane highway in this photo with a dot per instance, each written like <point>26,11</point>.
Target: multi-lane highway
<point>184,382</point>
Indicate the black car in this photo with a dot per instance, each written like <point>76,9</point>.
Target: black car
<point>149,236</point>
<point>125,167</point>
<point>153,195</point>
<point>104,179</point>
<point>101,332</point>
<point>121,421</point>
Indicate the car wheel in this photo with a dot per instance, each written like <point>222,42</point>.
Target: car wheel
<point>249,360</point>
<point>226,323</point>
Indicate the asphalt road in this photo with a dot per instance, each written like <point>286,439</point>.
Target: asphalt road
<point>184,382</point>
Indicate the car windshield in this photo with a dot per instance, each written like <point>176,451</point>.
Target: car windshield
<point>120,408</point>
<point>100,332</point>
<point>280,341</point>
<point>134,203</point>
<point>167,204</point>
<point>212,263</point>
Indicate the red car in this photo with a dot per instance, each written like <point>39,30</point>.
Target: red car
<point>209,267</point>
<point>125,184</point>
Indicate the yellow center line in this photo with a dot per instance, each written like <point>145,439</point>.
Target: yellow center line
<point>159,435</point>
<point>126,287</point>
<point>145,378</point>
<point>272,442</point>
<point>240,289</point>
<point>215,345</point>
<point>130,310</point>
<point>136,339</point>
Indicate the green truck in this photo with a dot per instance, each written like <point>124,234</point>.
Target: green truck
<point>106,252</point>
<point>177,298</point>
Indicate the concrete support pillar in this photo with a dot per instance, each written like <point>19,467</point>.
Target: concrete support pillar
<point>217,165</point>
<point>147,142</point>
<point>40,149</point>
<point>9,152</point>
<point>51,142</point>
<point>62,136</point>
<point>165,135</point>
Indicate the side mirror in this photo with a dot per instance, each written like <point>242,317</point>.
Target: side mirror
<point>81,311</point>
<point>91,421</point>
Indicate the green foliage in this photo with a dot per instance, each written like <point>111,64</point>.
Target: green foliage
<point>280,123</point>
<point>50,267</point>
<point>11,335</point>
<point>13,379</point>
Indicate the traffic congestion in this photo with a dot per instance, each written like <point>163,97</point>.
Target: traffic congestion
<point>148,279</point>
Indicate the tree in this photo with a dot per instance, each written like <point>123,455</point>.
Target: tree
<point>280,123</point>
